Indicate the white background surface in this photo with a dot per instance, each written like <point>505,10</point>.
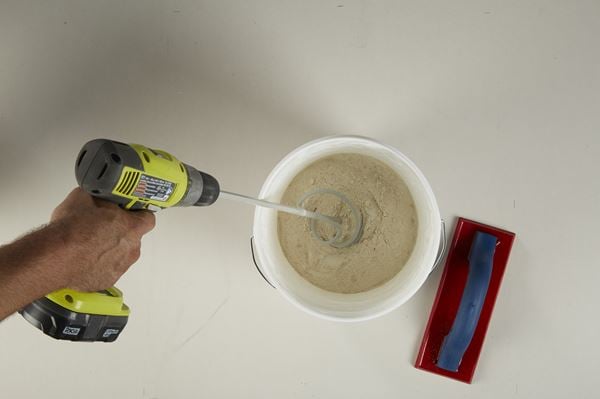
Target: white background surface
<point>496,102</point>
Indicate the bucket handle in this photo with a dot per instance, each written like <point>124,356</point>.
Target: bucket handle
<point>256,263</point>
<point>442,248</point>
<point>438,259</point>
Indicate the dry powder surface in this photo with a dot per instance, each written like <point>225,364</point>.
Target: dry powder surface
<point>389,223</point>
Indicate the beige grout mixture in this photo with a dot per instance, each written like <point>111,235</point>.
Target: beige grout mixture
<point>389,224</point>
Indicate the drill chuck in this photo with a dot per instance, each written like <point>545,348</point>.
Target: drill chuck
<point>203,189</point>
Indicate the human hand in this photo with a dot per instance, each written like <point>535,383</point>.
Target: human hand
<point>101,240</point>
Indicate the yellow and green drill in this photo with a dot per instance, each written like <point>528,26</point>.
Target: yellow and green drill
<point>137,178</point>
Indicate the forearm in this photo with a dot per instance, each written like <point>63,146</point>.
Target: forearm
<point>32,267</point>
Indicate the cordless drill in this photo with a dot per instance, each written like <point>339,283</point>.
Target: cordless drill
<point>136,178</point>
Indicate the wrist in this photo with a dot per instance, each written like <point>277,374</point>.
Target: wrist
<point>49,254</point>
<point>32,267</point>
<point>62,250</point>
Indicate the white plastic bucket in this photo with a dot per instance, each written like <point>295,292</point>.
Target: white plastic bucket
<point>274,266</point>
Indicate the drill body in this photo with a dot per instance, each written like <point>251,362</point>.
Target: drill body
<point>138,177</point>
<point>135,177</point>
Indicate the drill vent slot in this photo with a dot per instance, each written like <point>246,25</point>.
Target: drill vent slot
<point>128,183</point>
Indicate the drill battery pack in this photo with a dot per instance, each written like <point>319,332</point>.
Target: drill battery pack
<point>68,315</point>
